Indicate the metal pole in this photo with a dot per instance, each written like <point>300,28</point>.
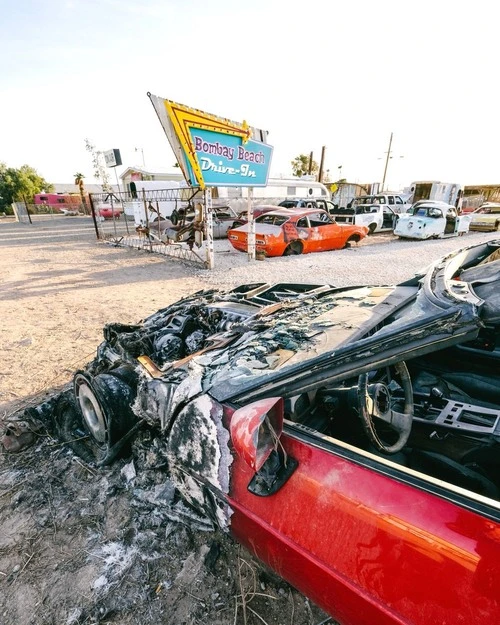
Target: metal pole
<point>251,226</point>
<point>210,228</point>
<point>113,214</point>
<point>310,163</point>
<point>386,162</point>
<point>147,219</point>
<point>320,173</point>
<point>92,210</point>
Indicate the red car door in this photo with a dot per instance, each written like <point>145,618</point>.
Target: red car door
<point>368,543</point>
<point>322,234</point>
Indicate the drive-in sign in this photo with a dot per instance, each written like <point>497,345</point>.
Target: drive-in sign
<point>214,151</point>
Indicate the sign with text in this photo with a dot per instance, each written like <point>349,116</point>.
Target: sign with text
<point>226,161</point>
<point>214,151</point>
<point>112,158</point>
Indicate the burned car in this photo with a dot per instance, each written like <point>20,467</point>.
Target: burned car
<point>349,437</point>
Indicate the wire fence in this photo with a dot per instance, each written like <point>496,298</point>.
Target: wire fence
<point>151,221</point>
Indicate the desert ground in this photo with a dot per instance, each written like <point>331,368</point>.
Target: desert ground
<point>81,544</point>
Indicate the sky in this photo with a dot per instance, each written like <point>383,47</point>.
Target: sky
<point>343,75</point>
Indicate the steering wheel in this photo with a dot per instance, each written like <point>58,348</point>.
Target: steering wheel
<point>375,402</point>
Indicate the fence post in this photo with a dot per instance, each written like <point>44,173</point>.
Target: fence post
<point>92,209</point>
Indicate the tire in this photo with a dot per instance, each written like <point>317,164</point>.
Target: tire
<point>354,238</point>
<point>293,249</point>
<point>174,217</point>
<point>371,228</point>
<point>104,406</point>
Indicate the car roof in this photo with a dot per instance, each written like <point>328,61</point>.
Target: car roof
<point>287,212</point>
<point>433,203</point>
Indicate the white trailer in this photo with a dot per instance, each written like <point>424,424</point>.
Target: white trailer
<point>277,190</point>
<point>135,208</point>
<point>449,192</point>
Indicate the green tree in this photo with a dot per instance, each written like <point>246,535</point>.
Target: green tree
<point>300,165</point>
<point>79,183</point>
<point>20,185</point>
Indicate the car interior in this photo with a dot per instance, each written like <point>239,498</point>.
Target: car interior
<point>438,414</point>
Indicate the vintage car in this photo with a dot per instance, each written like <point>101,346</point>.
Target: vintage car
<point>398,203</point>
<point>108,212</point>
<point>187,224</point>
<point>284,232</point>
<point>376,217</point>
<point>349,437</point>
<point>486,218</point>
<point>431,220</point>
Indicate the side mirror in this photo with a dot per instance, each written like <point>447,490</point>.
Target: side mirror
<point>255,430</point>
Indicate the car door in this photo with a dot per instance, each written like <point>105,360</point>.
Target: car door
<point>368,543</point>
<point>323,233</point>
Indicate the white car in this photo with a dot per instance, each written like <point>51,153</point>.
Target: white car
<point>431,220</point>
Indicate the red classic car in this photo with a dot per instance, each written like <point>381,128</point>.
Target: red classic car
<point>283,232</point>
<point>349,437</point>
<point>106,212</point>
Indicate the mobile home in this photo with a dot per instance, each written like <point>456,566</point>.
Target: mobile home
<point>449,192</point>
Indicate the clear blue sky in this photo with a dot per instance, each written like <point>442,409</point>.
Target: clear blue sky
<point>339,74</point>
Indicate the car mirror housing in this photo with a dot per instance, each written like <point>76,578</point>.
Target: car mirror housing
<point>255,430</point>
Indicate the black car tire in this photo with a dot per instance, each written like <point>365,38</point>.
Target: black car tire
<point>293,249</point>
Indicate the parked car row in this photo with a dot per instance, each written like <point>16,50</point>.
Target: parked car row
<point>316,224</point>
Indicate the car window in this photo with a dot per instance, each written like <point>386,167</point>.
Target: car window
<point>435,212</point>
<point>319,219</point>
<point>302,223</point>
<point>273,220</point>
<point>399,200</point>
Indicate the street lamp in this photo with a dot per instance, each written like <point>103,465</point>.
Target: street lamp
<point>142,152</point>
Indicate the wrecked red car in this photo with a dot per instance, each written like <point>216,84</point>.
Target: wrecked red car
<point>349,437</point>
<point>286,232</point>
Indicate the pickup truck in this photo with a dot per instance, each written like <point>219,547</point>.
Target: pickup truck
<point>376,217</point>
<point>396,202</point>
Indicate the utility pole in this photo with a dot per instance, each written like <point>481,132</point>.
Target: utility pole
<point>310,163</point>
<point>386,163</point>
<point>320,173</point>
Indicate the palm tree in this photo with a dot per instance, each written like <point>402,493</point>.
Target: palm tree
<point>79,183</point>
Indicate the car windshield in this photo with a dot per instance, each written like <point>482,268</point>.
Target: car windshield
<point>273,220</point>
<point>427,211</point>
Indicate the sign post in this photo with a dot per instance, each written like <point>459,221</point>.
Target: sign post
<point>214,151</point>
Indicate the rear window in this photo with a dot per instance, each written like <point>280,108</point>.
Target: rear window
<point>272,220</point>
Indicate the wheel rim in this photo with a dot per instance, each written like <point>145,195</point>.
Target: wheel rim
<point>92,412</point>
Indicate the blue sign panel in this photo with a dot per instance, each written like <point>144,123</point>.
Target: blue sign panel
<point>225,161</point>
